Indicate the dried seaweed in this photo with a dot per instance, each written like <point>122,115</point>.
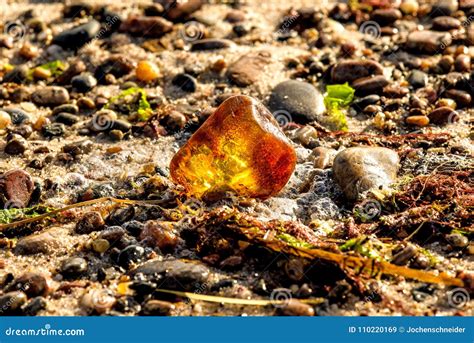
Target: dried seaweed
<point>257,232</point>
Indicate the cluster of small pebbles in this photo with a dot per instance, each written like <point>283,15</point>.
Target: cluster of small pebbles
<point>95,99</point>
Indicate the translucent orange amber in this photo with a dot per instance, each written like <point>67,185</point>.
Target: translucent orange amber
<point>240,149</point>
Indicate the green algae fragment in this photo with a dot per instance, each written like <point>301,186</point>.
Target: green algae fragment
<point>337,98</point>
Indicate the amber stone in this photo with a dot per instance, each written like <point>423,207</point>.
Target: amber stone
<point>240,149</point>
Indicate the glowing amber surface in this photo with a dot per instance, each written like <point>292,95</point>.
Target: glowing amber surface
<point>239,148</point>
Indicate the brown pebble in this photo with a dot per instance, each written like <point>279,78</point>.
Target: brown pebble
<point>350,70</point>
<point>418,120</point>
<point>161,234</point>
<point>91,221</point>
<point>462,98</point>
<point>443,115</point>
<point>16,187</point>
<point>323,157</point>
<point>296,308</point>
<point>462,63</point>
<point>248,68</point>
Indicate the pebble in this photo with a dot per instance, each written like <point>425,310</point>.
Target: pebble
<point>445,64</point>
<point>74,267</point>
<point>11,303</point>
<point>418,79</point>
<point>386,16</point>
<point>361,103</point>
<point>34,306</point>
<point>323,157</point>
<point>84,82</point>
<point>161,234</point>
<point>457,240</point>
<point>248,69</point>
<point>68,108</point>
<point>350,70</point>
<point>177,273</point>
<point>133,227</point>
<point>296,308</point>
<point>402,257</point>
<point>445,23</point>
<point>301,100</point>
<point>32,284</point>
<point>175,121</point>
<point>77,36</point>
<point>44,243</point>
<point>5,120</point>
<point>443,115</point>
<point>428,41</point>
<point>235,16</point>
<point>18,116</point>
<point>185,82</point>
<point>418,120</point>
<point>211,44</point>
<point>462,98</point>
<point>130,256</point>
<point>40,73</point>
<point>100,245</point>
<point>120,215</point>
<point>53,130</point>
<point>409,7</point>
<point>444,7</point>
<point>75,68</point>
<point>20,95</point>
<point>369,85</point>
<point>157,308</point>
<point>117,65</point>
<point>16,145</point>
<point>120,125</point>
<point>178,10</point>
<point>462,63</point>
<point>17,75</point>
<point>90,222</point>
<point>50,96</point>
<point>152,27</point>
<point>147,71</point>
<point>67,118</point>
<point>16,187</point>
<point>359,169</point>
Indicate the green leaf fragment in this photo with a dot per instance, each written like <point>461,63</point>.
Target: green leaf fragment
<point>294,242</point>
<point>55,67</point>
<point>337,97</point>
<point>143,109</point>
<point>10,215</point>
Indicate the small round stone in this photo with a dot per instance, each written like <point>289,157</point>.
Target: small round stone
<point>41,73</point>
<point>84,82</point>
<point>418,120</point>
<point>185,82</point>
<point>130,255</point>
<point>100,245</point>
<point>91,221</point>
<point>17,145</point>
<point>457,240</point>
<point>5,119</point>
<point>74,266</point>
<point>296,101</point>
<point>147,71</point>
